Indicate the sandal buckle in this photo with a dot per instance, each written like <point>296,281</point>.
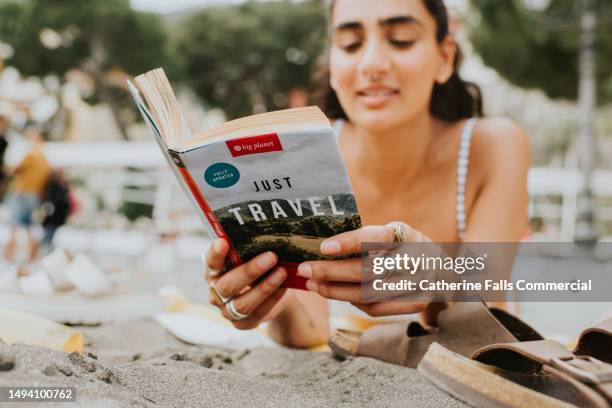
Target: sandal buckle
<point>601,372</point>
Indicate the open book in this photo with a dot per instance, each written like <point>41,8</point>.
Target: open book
<point>269,182</point>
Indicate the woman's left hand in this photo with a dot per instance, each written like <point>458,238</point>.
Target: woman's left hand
<point>341,279</point>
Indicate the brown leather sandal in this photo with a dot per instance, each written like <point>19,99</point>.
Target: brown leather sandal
<point>596,342</point>
<point>540,373</point>
<point>462,328</point>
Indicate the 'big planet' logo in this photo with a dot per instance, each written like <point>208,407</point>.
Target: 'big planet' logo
<point>221,175</point>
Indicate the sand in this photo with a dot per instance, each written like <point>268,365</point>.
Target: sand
<point>139,364</point>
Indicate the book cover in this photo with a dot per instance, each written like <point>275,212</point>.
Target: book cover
<point>280,192</point>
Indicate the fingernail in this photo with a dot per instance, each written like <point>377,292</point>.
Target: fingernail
<point>217,246</point>
<point>209,272</point>
<point>266,261</point>
<point>278,276</point>
<point>312,285</point>
<point>330,246</point>
<point>305,271</point>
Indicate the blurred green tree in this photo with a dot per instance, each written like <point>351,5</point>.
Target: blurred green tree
<point>103,39</point>
<point>538,48</point>
<point>247,58</point>
<point>555,45</point>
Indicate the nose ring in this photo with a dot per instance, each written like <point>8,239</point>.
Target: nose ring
<point>373,77</point>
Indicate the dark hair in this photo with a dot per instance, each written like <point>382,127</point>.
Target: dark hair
<point>454,100</point>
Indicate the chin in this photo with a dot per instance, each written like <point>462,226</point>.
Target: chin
<point>379,120</point>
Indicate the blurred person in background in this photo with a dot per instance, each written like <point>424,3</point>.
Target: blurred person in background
<point>419,155</point>
<point>56,206</point>
<point>28,181</point>
<point>3,147</point>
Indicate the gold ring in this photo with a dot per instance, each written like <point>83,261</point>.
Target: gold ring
<point>218,296</point>
<point>398,233</point>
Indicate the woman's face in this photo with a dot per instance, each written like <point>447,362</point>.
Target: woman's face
<point>385,60</point>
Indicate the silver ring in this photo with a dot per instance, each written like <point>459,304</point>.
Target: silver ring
<point>218,296</point>
<point>210,272</point>
<point>234,314</point>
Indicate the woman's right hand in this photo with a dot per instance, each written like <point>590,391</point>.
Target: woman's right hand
<point>259,300</point>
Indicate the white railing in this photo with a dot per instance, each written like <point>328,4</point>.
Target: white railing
<point>553,191</point>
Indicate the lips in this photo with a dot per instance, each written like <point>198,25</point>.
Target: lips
<point>378,92</point>
<point>376,97</point>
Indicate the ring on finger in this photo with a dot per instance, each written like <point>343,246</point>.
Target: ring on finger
<point>399,232</point>
<point>234,314</point>
<point>222,300</point>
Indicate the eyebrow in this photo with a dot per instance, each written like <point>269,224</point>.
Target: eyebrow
<point>391,21</point>
<point>400,20</point>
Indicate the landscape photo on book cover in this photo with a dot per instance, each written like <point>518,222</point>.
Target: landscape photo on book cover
<point>293,229</point>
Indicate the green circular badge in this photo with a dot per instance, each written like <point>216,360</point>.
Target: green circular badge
<point>221,175</point>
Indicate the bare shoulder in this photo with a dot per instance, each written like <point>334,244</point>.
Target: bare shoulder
<point>500,140</point>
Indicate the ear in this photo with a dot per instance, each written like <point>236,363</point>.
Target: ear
<point>448,51</point>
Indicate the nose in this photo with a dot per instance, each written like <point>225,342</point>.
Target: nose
<point>375,62</point>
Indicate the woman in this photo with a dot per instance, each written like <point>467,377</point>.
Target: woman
<point>406,132</point>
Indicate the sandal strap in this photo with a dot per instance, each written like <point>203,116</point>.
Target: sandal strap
<point>596,341</point>
<point>588,370</point>
<point>388,342</point>
<point>519,329</point>
<point>537,352</point>
<point>551,357</point>
<point>463,328</point>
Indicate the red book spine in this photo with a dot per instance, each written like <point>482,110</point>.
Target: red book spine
<point>293,280</point>
<point>203,204</point>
